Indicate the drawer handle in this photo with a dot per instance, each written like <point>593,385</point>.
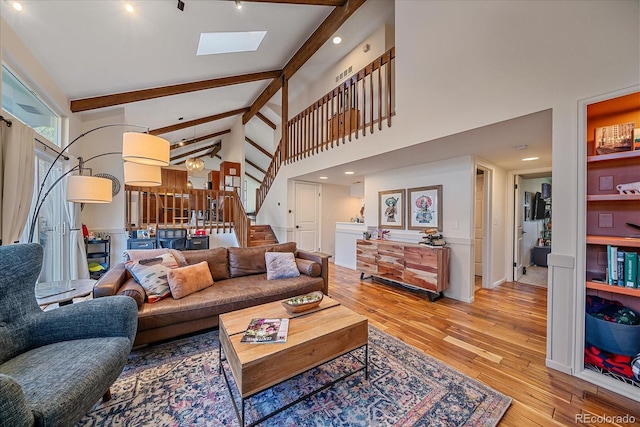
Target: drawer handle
<point>144,245</point>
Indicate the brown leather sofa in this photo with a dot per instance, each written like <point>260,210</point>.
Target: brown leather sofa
<point>240,281</point>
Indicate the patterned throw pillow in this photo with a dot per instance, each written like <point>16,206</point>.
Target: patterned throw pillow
<point>152,275</point>
<point>281,265</point>
<point>635,367</point>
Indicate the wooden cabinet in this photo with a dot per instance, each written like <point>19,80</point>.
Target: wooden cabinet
<point>342,124</point>
<point>173,178</point>
<point>608,215</point>
<point>214,180</point>
<point>409,264</point>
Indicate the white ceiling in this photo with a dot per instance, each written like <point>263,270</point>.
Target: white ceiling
<point>95,47</point>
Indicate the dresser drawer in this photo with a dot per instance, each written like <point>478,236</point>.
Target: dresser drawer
<point>141,244</point>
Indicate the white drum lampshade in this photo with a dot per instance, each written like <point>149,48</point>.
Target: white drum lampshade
<point>88,189</point>
<point>142,175</point>
<point>145,149</point>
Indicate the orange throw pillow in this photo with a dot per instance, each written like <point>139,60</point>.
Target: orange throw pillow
<point>187,280</point>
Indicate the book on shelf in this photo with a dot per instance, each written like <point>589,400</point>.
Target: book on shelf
<point>630,269</point>
<point>263,331</point>
<point>620,263</point>
<point>612,261</point>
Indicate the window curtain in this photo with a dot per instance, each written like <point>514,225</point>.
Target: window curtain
<point>78,268</point>
<point>17,163</point>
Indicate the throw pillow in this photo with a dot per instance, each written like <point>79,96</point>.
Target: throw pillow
<point>187,280</point>
<point>247,261</point>
<point>138,254</point>
<point>152,275</point>
<point>133,290</point>
<point>281,265</point>
<point>308,267</point>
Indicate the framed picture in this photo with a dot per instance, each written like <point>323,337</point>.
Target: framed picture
<point>143,234</point>
<point>424,205</point>
<point>615,138</point>
<point>391,209</point>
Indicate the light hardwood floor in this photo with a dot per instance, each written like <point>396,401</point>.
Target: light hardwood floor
<point>499,340</point>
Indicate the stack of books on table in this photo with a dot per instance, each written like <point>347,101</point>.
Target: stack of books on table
<point>622,267</point>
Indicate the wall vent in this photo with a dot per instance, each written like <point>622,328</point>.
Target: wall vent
<point>346,73</point>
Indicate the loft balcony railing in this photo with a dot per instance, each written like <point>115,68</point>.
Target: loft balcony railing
<point>356,107</point>
<point>215,211</point>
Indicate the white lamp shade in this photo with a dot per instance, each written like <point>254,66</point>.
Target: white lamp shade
<point>142,175</point>
<point>145,149</point>
<point>88,189</point>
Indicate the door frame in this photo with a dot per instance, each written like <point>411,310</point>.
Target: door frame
<point>319,210</point>
<point>487,234</point>
<point>510,236</point>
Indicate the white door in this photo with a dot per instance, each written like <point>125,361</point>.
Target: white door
<point>307,216</point>
<point>518,221</point>
<point>479,229</point>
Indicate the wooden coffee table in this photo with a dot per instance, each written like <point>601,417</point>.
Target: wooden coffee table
<point>315,337</point>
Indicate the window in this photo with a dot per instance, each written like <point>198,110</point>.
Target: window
<point>25,105</point>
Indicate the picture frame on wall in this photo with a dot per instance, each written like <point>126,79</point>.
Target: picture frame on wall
<point>391,209</point>
<point>424,207</point>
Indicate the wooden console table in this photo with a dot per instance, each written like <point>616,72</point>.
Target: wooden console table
<point>409,264</point>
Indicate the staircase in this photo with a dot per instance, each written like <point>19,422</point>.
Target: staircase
<point>261,235</point>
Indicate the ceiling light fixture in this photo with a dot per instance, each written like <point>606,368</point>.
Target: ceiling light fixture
<point>337,40</point>
<point>17,6</point>
<point>324,177</point>
<point>530,159</point>
<point>238,4</point>
<point>349,173</point>
<point>129,8</point>
<point>194,164</point>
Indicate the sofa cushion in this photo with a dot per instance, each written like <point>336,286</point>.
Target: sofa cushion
<point>133,290</point>
<point>184,281</point>
<point>224,296</point>
<point>247,261</point>
<point>281,265</point>
<point>152,275</point>
<point>216,258</point>
<point>308,267</point>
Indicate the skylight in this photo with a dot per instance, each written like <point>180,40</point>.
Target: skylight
<point>231,42</point>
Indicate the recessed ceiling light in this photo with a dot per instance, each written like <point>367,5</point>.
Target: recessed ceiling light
<point>129,8</point>
<point>324,177</point>
<point>349,173</point>
<point>229,42</point>
<point>529,159</point>
<point>17,6</point>
<point>521,147</point>
<point>337,40</point>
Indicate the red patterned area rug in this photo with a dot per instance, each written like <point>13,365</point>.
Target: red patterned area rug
<point>177,384</point>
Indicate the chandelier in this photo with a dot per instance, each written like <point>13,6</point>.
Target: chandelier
<point>194,164</point>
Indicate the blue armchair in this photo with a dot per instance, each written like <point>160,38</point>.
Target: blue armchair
<point>55,365</point>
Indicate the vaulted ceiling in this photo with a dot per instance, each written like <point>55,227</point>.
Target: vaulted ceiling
<point>104,57</point>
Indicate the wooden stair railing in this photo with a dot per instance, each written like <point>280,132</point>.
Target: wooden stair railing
<point>215,211</point>
<point>358,105</point>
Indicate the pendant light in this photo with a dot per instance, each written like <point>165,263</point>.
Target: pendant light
<point>194,164</point>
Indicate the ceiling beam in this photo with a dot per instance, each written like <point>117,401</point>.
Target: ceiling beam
<point>183,144</point>
<point>302,2</point>
<point>198,150</point>
<point>196,122</point>
<point>253,177</point>
<point>159,92</point>
<point>266,120</point>
<point>328,27</point>
<point>249,162</point>
<point>258,147</point>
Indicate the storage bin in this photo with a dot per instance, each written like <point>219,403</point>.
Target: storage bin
<point>612,337</point>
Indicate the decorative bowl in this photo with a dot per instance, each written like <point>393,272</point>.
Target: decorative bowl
<point>303,302</point>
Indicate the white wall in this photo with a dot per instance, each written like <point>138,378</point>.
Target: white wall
<point>337,206</point>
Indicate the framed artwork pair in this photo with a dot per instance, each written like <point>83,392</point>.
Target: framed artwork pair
<point>423,207</point>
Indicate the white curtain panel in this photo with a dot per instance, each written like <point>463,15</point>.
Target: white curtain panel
<point>17,163</point>
<point>78,268</point>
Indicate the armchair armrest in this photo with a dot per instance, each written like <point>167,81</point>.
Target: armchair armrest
<point>111,281</point>
<point>14,410</point>
<point>116,316</point>
<point>323,260</point>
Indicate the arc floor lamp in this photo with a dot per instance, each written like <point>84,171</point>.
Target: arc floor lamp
<point>143,155</point>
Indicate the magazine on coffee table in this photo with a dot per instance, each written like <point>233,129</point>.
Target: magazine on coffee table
<point>263,331</point>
